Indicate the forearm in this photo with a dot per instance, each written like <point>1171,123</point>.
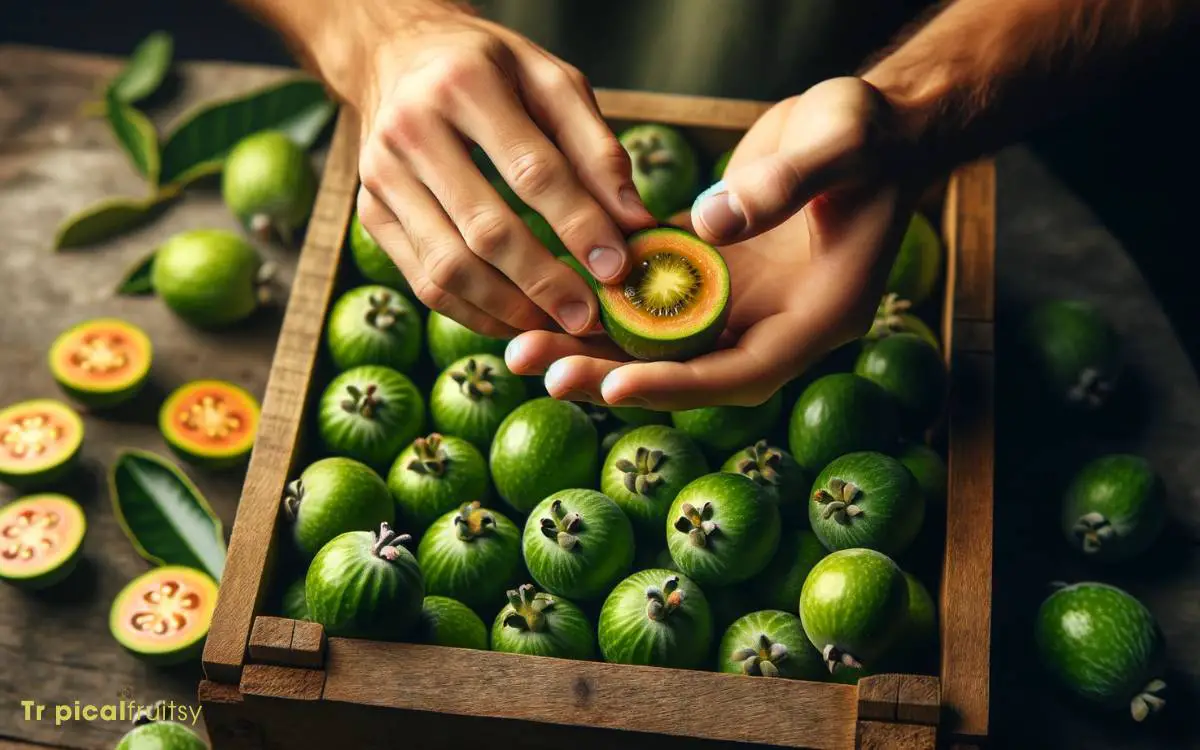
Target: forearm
<point>985,72</point>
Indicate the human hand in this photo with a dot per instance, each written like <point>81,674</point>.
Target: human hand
<point>809,216</point>
<point>434,83</point>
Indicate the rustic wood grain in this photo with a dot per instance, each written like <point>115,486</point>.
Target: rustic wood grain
<point>308,645</point>
<point>975,237</point>
<point>273,681</point>
<point>877,697</point>
<point>877,735</point>
<point>271,639</point>
<point>787,713</point>
<point>675,109</point>
<point>918,699</point>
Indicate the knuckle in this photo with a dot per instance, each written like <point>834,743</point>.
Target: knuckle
<point>486,233</point>
<point>576,79</point>
<point>612,156</point>
<point>533,173</point>
<point>404,129</point>
<point>431,295</point>
<point>579,229</point>
<point>446,269</point>
<point>452,75</point>
<point>545,285</point>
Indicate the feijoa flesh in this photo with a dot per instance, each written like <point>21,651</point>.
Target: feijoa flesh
<point>210,423</point>
<point>434,475</point>
<point>471,554</point>
<point>540,624</point>
<point>473,396</point>
<point>841,413</point>
<point>209,277</point>
<point>269,183</point>
<point>1114,508</point>
<point>866,499</point>
<point>656,617</point>
<point>1074,352</point>
<point>646,469</point>
<point>448,622</point>
<point>543,446</point>
<point>722,529</point>
<point>577,544</point>
<point>40,539</point>
<point>769,643</point>
<point>369,413</point>
<point>331,497</point>
<point>373,325</point>
<point>101,362</point>
<point>723,429</point>
<point>784,480</point>
<point>39,442</point>
<point>163,615</point>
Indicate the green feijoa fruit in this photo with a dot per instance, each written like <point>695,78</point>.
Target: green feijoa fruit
<point>784,481</point>
<point>610,439</point>
<point>209,277</point>
<point>371,260</point>
<point>866,499</point>
<point>912,373</point>
<point>838,414</point>
<point>1114,508</point>
<point>769,643</point>
<point>269,183</point>
<point>373,325</point>
<point>543,446</point>
<point>657,618</point>
<point>893,316</point>
<point>471,554</point>
<point>450,341</point>
<point>448,622</point>
<point>720,164</point>
<point>723,429</point>
<point>635,416</point>
<point>780,583</point>
<point>919,634</point>
<point>929,469</point>
<point>539,624</point>
<point>473,396</point>
<point>163,615</point>
<point>544,233</point>
<point>577,544</point>
<point>646,469</point>
<point>293,604</point>
<point>369,413</point>
<point>435,475</point>
<point>854,606</point>
<point>918,263</point>
<point>666,171</point>
<point>674,303</point>
<point>333,496</point>
<point>160,735</point>
<point>722,529</point>
<point>1103,645</point>
<point>39,442</point>
<point>41,536</point>
<point>1074,352</point>
<point>365,584</point>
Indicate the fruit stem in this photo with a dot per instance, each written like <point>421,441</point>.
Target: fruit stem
<point>888,316</point>
<point>431,456</point>
<point>1093,530</point>
<point>1149,701</point>
<point>1092,390</point>
<point>838,501</point>
<point>474,380</point>
<point>662,602</point>
<point>473,521</point>
<point>363,402</point>
<point>641,475</point>
<point>762,659</point>
<point>561,526</point>
<point>697,523</point>
<point>761,463</point>
<point>529,608</point>
<point>387,542</point>
<point>835,657</point>
<point>382,313</point>
<point>650,154</point>
<point>293,495</point>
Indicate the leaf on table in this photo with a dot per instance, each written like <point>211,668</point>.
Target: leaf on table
<point>164,515</point>
<point>137,280</point>
<point>145,70</point>
<point>109,218</point>
<point>198,145</point>
<point>137,136</point>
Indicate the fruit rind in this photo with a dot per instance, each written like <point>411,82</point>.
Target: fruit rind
<point>577,544</point>
<point>269,183</point>
<point>372,262</point>
<point>680,637</point>
<point>1114,508</point>
<point>14,433</point>
<point>196,598</point>
<point>99,392</point>
<point>208,277</point>
<point>43,508</point>
<point>161,735</point>
<point>218,417</point>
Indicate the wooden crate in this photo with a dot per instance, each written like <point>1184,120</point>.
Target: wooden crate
<point>273,682</point>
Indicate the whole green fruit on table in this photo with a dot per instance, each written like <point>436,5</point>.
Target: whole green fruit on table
<point>471,554</point>
<point>450,341</point>
<point>372,261</point>
<point>1074,352</point>
<point>784,480</point>
<point>658,618</point>
<point>543,446</point>
<point>369,413</point>
<point>722,429</point>
<point>1114,508</point>
<point>577,544</point>
<point>722,529</point>
<point>841,413</point>
<point>208,277</point>
<point>912,373</point>
<point>269,183</point>
<point>473,396</point>
<point>332,496</point>
<point>866,499</point>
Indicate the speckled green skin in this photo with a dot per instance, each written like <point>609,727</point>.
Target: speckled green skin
<point>1070,344</point>
<point>267,174</point>
<point>857,600</point>
<point>746,535</point>
<point>355,593</point>
<point>838,414</point>
<point>918,262</point>
<point>448,622</point>
<point>1128,496</point>
<point>784,480</point>
<point>565,634</point>
<point>161,735</point>
<point>800,662</point>
<point>474,571</point>
<point>918,637</point>
<point>929,469</point>
<point>293,603</point>
<point>681,640</point>
<point>891,501</point>
<point>911,371</point>
<point>652,348</point>
<point>903,323</point>
<point>669,188</point>
<point>543,446</point>
<point>1099,643</point>
<point>376,439</point>
<point>600,557</point>
<point>336,495</point>
<point>423,496</point>
<point>207,277</point>
<point>780,583</point>
<point>472,415</point>
<point>355,336</point>
<point>682,462</point>
<point>372,261</point>
<point>450,341</point>
<point>544,233</point>
<point>723,429</point>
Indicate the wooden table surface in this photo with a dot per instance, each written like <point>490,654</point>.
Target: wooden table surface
<point>56,649</point>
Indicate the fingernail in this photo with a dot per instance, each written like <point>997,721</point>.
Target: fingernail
<point>512,352</point>
<point>719,211</point>
<point>573,316</point>
<point>555,376</point>
<point>604,262</point>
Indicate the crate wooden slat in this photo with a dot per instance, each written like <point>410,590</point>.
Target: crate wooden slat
<point>271,684</point>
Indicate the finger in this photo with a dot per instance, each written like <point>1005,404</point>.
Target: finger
<point>444,257</point>
<point>533,352</point>
<point>383,226</point>
<point>578,378</point>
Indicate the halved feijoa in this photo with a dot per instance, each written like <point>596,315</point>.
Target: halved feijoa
<point>721,429</point>
<point>658,618</point>
<point>838,414</point>
<point>674,303</point>
<point>918,262</point>
<point>40,537</point>
<point>39,442</point>
<point>449,622</point>
<point>473,396</point>
<point>332,496</point>
<point>471,554</point>
<point>373,325</point>
<point>543,446</point>
<point>160,735</point>
<point>369,413</point>
<point>1074,352</point>
<point>210,423</point>
<point>541,624</point>
<point>666,170</point>
<point>866,499</point>
<point>101,362</point>
<point>164,614</point>
<point>434,475</point>
<point>371,260</point>
<point>578,544</point>
<point>449,341</point>
<point>769,643</point>
<point>722,529</point>
<point>645,470</point>
<point>1114,508</point>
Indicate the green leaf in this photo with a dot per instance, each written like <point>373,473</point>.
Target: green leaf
<point>199,144</point>
<point>137,279</point>
<point>163,514</point>
<point>110,217</point>
<point>146,69</point>
<point>136,134</point>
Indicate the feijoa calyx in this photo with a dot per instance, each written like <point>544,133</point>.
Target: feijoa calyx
<point>1073,351</point>
<point>675,301</point>
<point>470,554</point>
<point>722,529</point>
<point>434,475</point>
<point>578,544</point>
<point>646,469</point>
<point>331,497</point>
<point>373,325</point>
<point>369,413</point>
<point>866,499</point>
<point>774,469</point>
<point>268,182</point>
<point>1114,508</point>
<point>540,624</point>
<point>769,643</point>
<point>473,396</point>
<point>40,538</point>
<point>656,617</point>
